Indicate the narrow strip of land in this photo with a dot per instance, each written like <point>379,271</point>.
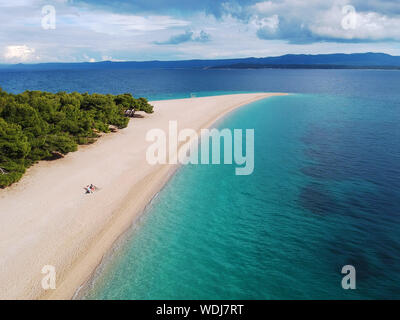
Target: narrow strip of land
<point>47,219</point>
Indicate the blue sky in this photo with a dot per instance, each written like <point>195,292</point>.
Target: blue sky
<point>86,30</point>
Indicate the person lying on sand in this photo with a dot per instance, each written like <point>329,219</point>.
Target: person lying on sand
<point>90,188</point>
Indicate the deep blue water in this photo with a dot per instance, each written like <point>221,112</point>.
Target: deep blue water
<point>325,191</point>
<point>164,84</point>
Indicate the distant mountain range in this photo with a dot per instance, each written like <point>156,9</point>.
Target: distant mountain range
<point>292,61</point>
<point>321,61</point>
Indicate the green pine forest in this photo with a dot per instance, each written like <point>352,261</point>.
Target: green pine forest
<point>36,125</point>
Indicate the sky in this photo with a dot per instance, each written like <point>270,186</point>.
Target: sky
<point>34,31</point>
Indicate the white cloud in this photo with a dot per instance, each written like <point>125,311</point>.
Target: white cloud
<point>120,24</point>
<point>271,23</point>
<point>315,20</point>
<point>15,3</point>
<point>265,7</point>
<point>88,59</point>
<point>369,26</point>
<point>19,53</point>
<point>110,58</point>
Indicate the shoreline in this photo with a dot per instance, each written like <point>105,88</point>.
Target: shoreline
<point>76,236</point>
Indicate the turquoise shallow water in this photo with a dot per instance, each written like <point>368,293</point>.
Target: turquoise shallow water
<point>324,193</point>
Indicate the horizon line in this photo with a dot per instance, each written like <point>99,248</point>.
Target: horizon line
<point>194,59</point>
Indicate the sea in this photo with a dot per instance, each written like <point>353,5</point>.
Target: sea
<point>324,194</point>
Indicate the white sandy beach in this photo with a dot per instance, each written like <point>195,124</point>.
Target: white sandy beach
<point>47,219</point>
